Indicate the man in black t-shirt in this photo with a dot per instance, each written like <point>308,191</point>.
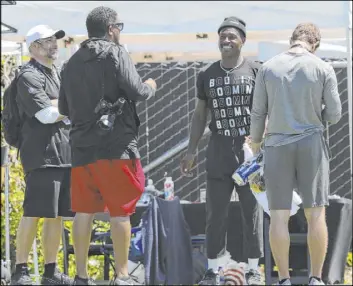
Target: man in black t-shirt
<point>45,156</point>
<point>225,88</point>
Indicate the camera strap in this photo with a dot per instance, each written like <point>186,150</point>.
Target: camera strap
<point>102,62</point>
<point>103,79</point>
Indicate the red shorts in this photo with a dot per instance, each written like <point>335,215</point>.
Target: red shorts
<point>107,185</point>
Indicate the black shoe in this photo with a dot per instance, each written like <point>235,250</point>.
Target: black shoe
<point>81,281</point>
<point>21,278</point>
<point>57,279</point>
<point>210,278</point>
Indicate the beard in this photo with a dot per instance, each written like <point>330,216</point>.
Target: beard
<point>53,55</point>
<point>231,52</point>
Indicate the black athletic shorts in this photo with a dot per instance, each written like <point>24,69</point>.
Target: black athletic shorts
<point>47,193</point>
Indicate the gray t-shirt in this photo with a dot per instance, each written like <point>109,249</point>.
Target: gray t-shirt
<point>298,92</point>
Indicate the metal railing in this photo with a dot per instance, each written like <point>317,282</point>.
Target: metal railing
<point>171,153</point>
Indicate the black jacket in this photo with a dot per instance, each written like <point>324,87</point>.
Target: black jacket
<point>101,62</point>
<point>166,244</point>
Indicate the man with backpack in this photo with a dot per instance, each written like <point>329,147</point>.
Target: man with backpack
<point>33,124</point>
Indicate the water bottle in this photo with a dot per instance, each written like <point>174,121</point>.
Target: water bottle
<point>168,189</point>
<point>150,187</point>
<point>145,197</point>
<point>248,154</point>
<point>220,276</point>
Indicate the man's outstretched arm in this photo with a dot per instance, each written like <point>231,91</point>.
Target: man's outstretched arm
<point>198,125</point>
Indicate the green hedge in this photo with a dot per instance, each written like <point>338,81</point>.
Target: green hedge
<point>17,186</point>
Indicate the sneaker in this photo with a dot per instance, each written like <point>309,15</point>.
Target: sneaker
<point>210,278</point>
<point>315,281</point>
<point>253,277</point>
<point>57,279</point>
<point>21,278</point>
<point>80,281</point>
<point>123,281</point>
<point>285,282</point>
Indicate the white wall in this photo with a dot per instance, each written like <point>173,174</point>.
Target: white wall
<point>267,50</point>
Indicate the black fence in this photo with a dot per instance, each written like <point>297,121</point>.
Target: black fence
<point>165,123</point>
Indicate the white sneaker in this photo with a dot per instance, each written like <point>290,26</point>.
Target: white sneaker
<point>253,277</point>
<point>314,281</point>
<point>123,281</point>
<point>285,282</point>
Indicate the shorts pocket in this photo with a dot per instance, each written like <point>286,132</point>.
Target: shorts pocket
<point>134,180</point>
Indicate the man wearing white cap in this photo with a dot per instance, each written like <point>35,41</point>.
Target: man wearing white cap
<point>45,155</point>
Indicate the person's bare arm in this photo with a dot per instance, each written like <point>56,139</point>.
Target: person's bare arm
<point>198,125</point>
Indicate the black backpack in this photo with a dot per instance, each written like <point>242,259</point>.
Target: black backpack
<point>10,116</point>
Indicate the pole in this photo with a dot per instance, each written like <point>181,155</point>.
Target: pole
<point>7,209</point>
<point>35,261</point>
<point>22,53</point>
<point>348,13</point>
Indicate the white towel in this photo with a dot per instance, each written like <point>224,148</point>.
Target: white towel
<point>262,197</point>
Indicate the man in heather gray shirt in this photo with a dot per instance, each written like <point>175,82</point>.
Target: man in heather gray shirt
<point>298,92</point>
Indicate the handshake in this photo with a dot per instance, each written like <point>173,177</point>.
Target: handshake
<point>151,83</point>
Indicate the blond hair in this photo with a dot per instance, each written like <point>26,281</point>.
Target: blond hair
<point>308,33</point>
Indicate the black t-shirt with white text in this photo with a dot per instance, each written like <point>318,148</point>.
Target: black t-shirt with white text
<point>229,97</point>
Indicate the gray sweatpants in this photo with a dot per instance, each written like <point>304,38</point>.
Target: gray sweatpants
<point>224,155</point>
<point>304,165</point>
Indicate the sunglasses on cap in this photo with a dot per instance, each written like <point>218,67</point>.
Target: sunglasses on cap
<point>46,40</point>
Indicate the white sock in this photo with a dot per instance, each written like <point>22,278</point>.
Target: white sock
<point>253,263</point>
<point>213,264</point>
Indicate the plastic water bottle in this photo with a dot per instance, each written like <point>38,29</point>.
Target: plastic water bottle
<point>248,154</point>
<point>150,187</point>
<point>220,276</point>
<point>168,189</point>
<point>145,197</point>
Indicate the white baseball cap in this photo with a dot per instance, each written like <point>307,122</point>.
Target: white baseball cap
<point>42,32</point>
